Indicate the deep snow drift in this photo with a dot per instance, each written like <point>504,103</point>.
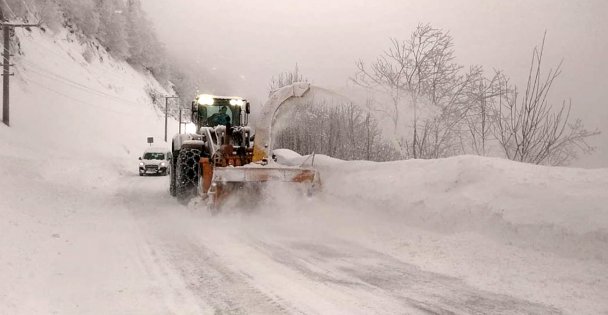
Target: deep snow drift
<point>82,233</point>
<point>558,209</point>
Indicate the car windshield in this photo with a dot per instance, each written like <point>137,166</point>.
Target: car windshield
<point>154,156</point>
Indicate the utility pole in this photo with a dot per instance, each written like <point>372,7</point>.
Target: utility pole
<point>167,112</point>
<point>6,64</point>
<point>180,120</point>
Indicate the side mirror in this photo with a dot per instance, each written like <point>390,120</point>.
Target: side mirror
<point>247,108</point>
<point>140,158</point>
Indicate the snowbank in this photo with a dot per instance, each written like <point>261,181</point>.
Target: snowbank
<point>564,210</point>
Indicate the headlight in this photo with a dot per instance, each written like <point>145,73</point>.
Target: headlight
<point>141,163</point>
<point>237,102</point>
<point>190,128</point>
<point>205,99</point>
<point>163,164</point>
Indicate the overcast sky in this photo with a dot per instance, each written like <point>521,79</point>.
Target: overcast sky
<point>243,43</point>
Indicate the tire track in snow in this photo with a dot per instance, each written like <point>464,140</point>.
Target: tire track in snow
<point>202,274</point>
<point>350,266</point>
<point>177,299</point>
<point>227,291</point>
<point>165,284</point>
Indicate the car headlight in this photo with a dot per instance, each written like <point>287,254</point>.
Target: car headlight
<point>163,164</point>
<point>141,163</point>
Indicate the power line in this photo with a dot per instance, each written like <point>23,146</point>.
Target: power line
<point>81,88</point>
<point>100,69</point>
<point>60,79</point>
<point>64,56</point>
<point>76,99</point>
<point>69,58</point>
<point>52,76</point>
<point>48,74</point>
<point>44,86</point>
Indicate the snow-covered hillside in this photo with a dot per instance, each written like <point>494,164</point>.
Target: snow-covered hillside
<point>77,126</point>
<point>82,233</point>
<point>73,97</point>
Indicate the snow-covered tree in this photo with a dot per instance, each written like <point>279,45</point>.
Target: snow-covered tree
<point>144,47</point>
<point>112,27</point>
<point>82,15</point>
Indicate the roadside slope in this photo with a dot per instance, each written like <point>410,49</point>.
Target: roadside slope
<point>77,127</point>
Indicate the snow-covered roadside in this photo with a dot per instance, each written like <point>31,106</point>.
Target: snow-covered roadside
<point>77,128</point>
<point>529,231</point>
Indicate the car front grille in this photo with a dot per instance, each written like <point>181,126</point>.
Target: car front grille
<point>151,167</point>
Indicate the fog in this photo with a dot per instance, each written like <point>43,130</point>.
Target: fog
<point>240,45</point>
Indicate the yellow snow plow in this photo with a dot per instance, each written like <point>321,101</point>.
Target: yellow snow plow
<point>223,156</point>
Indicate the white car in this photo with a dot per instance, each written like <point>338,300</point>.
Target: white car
<point>155,161</point>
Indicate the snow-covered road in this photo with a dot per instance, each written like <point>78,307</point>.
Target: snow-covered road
<point>82,233</point>
<point>99,239</point>
<point>269,262</point>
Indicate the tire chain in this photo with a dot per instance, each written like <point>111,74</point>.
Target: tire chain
<point>187,173</point>
<point>173,165</point>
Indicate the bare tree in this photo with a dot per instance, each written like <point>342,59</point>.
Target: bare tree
<point>343,131</point>
<point>531,130</point>
<point>482,96</point>
<point>338,129</point>
<point>420,72</point>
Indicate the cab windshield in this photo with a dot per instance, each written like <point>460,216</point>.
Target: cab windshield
<point>220,113</point>
<point>154,156</point>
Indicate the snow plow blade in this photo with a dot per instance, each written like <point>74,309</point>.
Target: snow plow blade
<point>227,179</point>
<point>263,174</point>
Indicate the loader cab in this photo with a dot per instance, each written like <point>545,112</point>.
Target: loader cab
<point>211,111</point>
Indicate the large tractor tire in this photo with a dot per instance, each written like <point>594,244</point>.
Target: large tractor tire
<point>172,167</point>
<point>187,173</point>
